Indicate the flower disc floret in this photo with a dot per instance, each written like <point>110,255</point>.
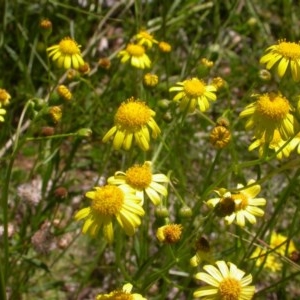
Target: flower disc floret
<point>273,107</point>
<point>107,201</point>
<point>139,176</point>
<point>133,115</point>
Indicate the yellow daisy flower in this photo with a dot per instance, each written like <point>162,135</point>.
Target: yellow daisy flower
<point>4,97</point>
<point>137,56</point>
<point>169,234</point>
<point>124,294</point>
<point>2,113</point>
<point>193,91</point>
<point>225,281</point>
<point>144,38</point>
<point>110,202</point>
<point>242,205</point>
<point>132,120</point>
<point>150,80</point>
<point>275,144</point>
<point>164,47</point>
<point>270,258</point>
<point>67,54</point>
<point>140,178</point>
<point>270,112</point>
<point>286,54</point>
<point>279,242</point>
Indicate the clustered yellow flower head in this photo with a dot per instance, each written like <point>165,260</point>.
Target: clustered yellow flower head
<point>284,55</point>
<point>169,234</point>
<point>66,54</point>
<point>270,112</point>
<point>225,281</point>
<point>123,294</point>
<point>270,258</point>
<point>132,122</point>
<point>141,179</point>
<point>4,101</point>
<point>239,206</point>
<point>111,202</point>
<point>192,92</point>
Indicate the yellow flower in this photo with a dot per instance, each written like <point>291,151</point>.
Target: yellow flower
<point>193,91</point>
<point>124,294</point>
<point>225,282</point>
<point>67,54</point>
<point>140,178</point>
<point>137,56</point>
<point>110,202</point>
<point>270,258</point>
<point>286,54</point>
<point>144,38</point>
<point>55,113</point>
<point>4,97</point>
<point>2,113</point>
<point>243,203</point>
<point>218,82</point>
<point>280,244</point>
<point>270,112</point>
<point>169,234</point>
<point>203,252</point>
<point>64,92</point>
<point>150,80</point>
<point>164,47</point>
<point>220,137</point>
<point>207,63</point>
<point>132,120</point>
<point>275,144</point>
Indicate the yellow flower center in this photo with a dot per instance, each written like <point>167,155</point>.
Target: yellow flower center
<point>244,200</point>
<point>139,177</point>
<point>194,87</point>
<point>116,295</point>
<point>135,50</point>
<point>132,115</point>
<point>289,50</point>
<point>273,107</point>
<point>172,233</point>
<point>229,289</point>
<point>108,200</point>
<point>69,47</point>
